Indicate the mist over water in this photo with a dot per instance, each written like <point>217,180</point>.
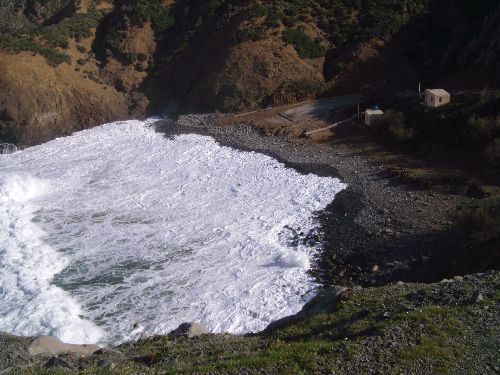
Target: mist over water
<point>119,231</point>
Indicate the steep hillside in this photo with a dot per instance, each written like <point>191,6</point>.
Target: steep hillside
<point>456,42</point>
<point>16,14</point>
<point>40,102</point>
<point>50,80</point>
<point>236,54</point>
<point>252,53</point>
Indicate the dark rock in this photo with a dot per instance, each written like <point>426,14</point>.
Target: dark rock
<point>477,297</point>
<point>7,148</point>
<point>51,346</point>
<point>57,362</point>
<point>108,351</point>
<point>105,363</point>
<point>190,330</point>
<point>324,302</point>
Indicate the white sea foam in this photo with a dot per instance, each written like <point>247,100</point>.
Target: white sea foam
<point>29,304</point>
<point>139,233</point>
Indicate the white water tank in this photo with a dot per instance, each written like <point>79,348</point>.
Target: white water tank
<point>371,115</point>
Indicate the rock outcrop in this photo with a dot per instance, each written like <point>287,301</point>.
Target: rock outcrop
<point>323,303</point>
<point>16,14</point>
<point>114,59</point>
<point>39,102</point>
<point>51,346</point>
<point>190,330</point>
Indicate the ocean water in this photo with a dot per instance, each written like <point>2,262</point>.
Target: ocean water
<point>118,231</point>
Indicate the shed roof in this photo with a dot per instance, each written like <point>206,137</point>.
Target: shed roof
<point>374,112</point>
<point>438,92</point>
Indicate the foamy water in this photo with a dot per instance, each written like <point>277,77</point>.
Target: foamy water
<point>118,231</point>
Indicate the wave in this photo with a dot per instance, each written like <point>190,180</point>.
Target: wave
<point>30,305</point>
<point>139,232</point>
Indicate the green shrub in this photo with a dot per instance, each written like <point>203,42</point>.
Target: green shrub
<point>46,39</point>
<point>483,219</point>
<point>131,58</point>
<point>492,154</point>
<point>214,5</point>
<point>273,22</point>
<point>259,10</point>
<point>114,39</point>
<point>289,21</point>
<point>395,123</point>
<point>252,33</point>
<point>142,10</point>
<point>392,126</point>
<point>163,20</point>
<point>53,56</point>
<point>303,17</point>
<point>305,46</point>
<point>484,127</point>
<point>7,133</point>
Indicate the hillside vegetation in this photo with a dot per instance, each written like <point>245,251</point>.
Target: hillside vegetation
<point>232,54</point>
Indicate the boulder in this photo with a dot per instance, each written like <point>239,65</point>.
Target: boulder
<point>106,363</point>
<point>39,101</point>
<point>323,303</point>
<point>55,362</point>
<point>477,297</point>
<point>7,148</point>
<point>189,330</point>
<point>51,346</point>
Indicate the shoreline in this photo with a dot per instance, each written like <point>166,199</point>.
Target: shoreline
<point>377,230</point>
<point>373,222</point>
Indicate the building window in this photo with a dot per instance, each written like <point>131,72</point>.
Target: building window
<point>440,100</point>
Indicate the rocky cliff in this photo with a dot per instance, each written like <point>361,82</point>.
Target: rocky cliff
<point>228,55</point>
<point>39,102</point>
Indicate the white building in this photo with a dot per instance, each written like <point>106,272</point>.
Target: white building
<point>436,98</point>
<point>371,116</point>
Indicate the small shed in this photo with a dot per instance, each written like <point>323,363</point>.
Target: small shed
<point>437,97</point>
<point>371,116</point>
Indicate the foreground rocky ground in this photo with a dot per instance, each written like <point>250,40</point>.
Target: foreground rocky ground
<point>450,327</point>
<point>381,240</point>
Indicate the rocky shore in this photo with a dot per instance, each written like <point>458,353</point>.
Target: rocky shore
<point>381,240</point>
<point>377,230</point>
